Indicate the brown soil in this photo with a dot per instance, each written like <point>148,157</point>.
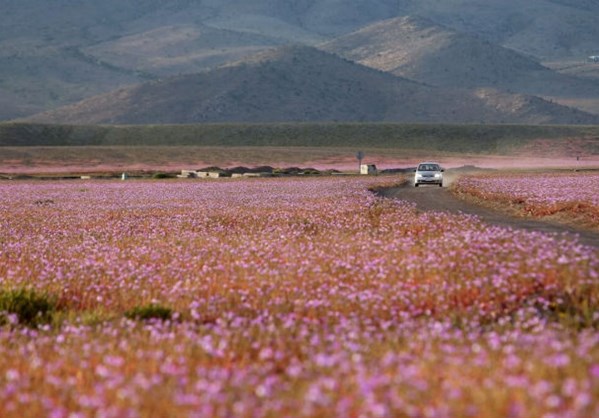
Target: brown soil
<point>89,159</point>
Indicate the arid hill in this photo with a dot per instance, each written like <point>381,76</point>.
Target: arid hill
<point>52,56</point>
<point>545,29</point>
<point>420,49</point>
<point>304,84</point>
<point>179,49</point>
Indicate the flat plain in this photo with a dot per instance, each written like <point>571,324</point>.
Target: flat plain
<point>35,148</point>
<point>296,296</point>
<point>280,297</point>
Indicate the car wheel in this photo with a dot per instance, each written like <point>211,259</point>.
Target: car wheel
<point>415,184</point>
<point>440,184</point>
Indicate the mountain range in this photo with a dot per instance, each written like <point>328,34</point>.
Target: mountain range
<point>186,61</point>
<point>440,56</point>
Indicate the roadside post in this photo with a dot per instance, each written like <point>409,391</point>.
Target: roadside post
<point>360,157</point>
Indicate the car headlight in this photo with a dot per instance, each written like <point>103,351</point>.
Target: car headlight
<point>438,175</point>
<point>418,175</point>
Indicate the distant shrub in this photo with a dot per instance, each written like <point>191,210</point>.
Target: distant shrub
<point>152,311</point>
<point>288,170</point>
<point>310,171</point>
<point>30,307</point>
<point>161,176</point>
<point>262,169</point>
<point>239,170</point>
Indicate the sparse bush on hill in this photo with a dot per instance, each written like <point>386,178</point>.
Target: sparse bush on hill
<point>211,168</point>
<point>261,169</point>
<point>288,170</point>
<point>238,170</point>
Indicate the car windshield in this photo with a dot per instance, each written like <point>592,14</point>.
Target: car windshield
<point>428,167</point>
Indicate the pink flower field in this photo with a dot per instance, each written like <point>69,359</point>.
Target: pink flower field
<point>572,195</point>
<point>287,297</point>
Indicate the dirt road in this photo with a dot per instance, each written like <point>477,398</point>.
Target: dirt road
<point>441,199</point>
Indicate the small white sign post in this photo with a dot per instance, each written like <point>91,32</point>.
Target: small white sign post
<point>360,157</point>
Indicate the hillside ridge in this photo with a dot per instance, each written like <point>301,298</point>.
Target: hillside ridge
<point>51,57</point>
<point>301,83</point>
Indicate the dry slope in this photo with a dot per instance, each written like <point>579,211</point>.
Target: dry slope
<point>51,56</point>
<point>303,84</point>
<point>419,49</point>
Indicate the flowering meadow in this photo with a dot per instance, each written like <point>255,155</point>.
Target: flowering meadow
<point>574,196</point>
<point>289,297</point>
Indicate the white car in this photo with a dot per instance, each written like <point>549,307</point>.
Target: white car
<point>428,173</point>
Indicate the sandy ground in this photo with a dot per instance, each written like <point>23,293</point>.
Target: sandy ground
<point>490,162</point>
<point>342,162</point>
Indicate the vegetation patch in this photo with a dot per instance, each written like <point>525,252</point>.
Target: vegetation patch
<point>162,176</point>
<point>489,139</point>
<point>26,307</point>
<point>151,311</point>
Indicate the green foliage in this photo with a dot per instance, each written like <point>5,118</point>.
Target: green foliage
<point>310,172</point>
<point>492,139</point>
<point>30,307</point>
<point>161,176</point>
<point>151,311</point>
